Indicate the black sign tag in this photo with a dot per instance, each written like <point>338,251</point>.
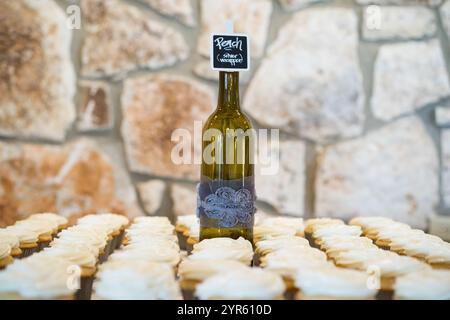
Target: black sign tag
<point>230,52</point>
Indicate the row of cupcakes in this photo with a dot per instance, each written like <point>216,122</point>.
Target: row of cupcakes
<point>28,236</point>
<point>306,271</point>
<point>403,239</point>
<point>66,268</point>
<point>220,268</point>
<point>144,267</point>
<point>387,270</point>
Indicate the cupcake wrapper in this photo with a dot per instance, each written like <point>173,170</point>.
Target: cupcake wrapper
<point>108,249</point>
<point>290,294</point>
<point>188,294</point>
<point>102,257</point>
<point>44,244</point>
<point>26,252</point>
<point>385,295</point>
<point>85,291</point>
<point>118,240</point>
<point>182,240</point>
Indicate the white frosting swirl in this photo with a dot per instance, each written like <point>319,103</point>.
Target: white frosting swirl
<point>38,277</point>
<point>285,222</point>
<point>136,280</point>
<point>202,269</point>
<point>426,284</point>
<point>389,264</point>
<point>327,230</point>
<point>25,236</point>
<point>312,224</point>
<point>154,254</point>
<point>247,283</point>
<point>223,249</point>
<point>266,246</point>
<point>9,238</point>
<point>334,282</point>
<point>59,220</point>
<point>82,258</point>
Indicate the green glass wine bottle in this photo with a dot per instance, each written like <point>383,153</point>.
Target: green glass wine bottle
<point>226,192</point>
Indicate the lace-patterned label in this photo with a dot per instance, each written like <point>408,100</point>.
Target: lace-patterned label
<point>226,203</point>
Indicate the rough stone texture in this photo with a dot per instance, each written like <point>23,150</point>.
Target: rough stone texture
<point>292,5</point>
<point>152,195</point>
<point>284,188</point>
<point>179,9</point>
<point>120,38</point>
<point>390,172</point>
<point>251,17</point>
<point>153,107</point>
<point>95,110</point>
<point>445,16</point>
<point>402,2</point>
<point>203,70</point>
<point>72,180</point>
<point>310,82</point>
<point>37,80</point>
<point>445,173</point>
<point>399,23</point>
<point>442,116</point>
<point>184,199</point>
<point>407,77</point>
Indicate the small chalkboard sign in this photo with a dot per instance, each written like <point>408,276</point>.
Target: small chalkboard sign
<point>230,52</point>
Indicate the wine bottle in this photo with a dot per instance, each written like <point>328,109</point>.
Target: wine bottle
<point>226,192</point>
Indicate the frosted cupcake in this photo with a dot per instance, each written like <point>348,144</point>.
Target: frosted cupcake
<point>264,247</point>
<point>155,254</point>
<point>194,272</point>
<point>286,222</point>
<point>38,277</point>
<point>287,261</point>
<point>439,258</point>
<point>136,280</point>
<point>5,255</point>
<point>83,237</point>
<point>45,230</point>
<point>365,222</point>
<point>267,232</point>
<point>143,236</point>
<point>60,221</point>
<point>334,245</point>
<point>112,224</point>
<point>332,283</point>
<point>424,285</point>
<point>223,249</point>
<point>84,259</point>
<point>183,225</point>
<point>322,231</point>
<point>242,284</point>
<point>12,241</point>
<point>384,236</point>
<point>428,248</point>
<point>387,264</point>
<point>28,239</point>
<point>192,236</point>
<point>312,224</point>
<point>371,225</point>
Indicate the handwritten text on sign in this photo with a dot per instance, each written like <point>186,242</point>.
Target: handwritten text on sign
<point>229,52</point>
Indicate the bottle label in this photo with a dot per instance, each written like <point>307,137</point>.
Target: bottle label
<point>228,203</point>
<point>230,52</point>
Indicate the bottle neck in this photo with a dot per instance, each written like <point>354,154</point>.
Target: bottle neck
<point>228,91</point>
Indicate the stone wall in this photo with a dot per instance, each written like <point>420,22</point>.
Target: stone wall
<point>361,94</point>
